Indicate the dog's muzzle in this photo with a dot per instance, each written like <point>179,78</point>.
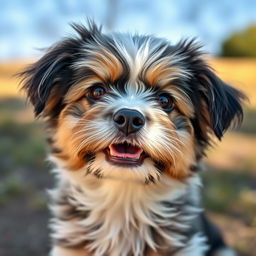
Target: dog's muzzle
<point>127,121</point>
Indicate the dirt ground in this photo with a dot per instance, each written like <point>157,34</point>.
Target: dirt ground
<point>23,222</point>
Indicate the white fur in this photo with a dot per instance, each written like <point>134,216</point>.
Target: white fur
<point>196,247</point>
<point>124,209</point>
<point>141,55</point>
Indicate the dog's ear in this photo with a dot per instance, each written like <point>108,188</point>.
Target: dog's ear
<point>223,102</point>
<point>46,74</point>
<point>217,105</point>
<point>51,76</point>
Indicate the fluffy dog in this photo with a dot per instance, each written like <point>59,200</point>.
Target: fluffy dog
<point>129,119</point>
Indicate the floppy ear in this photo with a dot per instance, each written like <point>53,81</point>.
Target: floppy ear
<point>51,76</point>
<point>223,102</point>
<point>217,105</point>
<point>47,73</point>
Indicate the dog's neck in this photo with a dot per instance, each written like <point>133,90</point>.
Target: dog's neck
<point>122,217</point>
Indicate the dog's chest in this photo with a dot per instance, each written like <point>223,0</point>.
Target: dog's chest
<point>120,218</point>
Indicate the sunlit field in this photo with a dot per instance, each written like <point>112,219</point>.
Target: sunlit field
<point>229,192</point>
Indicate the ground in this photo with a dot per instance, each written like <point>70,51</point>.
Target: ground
<point>229,191</point>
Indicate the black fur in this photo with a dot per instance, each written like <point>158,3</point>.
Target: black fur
<point>54,72</point>
<point>215,239</point>
<point>224,103</point>
<point>75,110</point>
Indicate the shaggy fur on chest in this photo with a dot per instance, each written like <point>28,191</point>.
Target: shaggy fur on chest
<point>118,217</point>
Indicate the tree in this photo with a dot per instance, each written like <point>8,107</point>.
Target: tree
<point>241,44</point>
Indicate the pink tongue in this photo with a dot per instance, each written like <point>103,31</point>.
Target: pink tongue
<point>125,151</point>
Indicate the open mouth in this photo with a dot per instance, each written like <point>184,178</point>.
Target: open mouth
<point>124,154</point>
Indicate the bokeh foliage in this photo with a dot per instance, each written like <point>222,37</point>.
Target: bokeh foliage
<point>241,44</point>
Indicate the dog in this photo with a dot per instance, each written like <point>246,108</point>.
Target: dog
<point>129,118</point>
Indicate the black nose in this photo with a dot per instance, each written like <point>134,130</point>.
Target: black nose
<point>128,121</point>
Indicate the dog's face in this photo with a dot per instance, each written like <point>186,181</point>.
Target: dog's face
<point>122,106</point>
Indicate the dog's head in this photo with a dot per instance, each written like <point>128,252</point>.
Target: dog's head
<point>130,106</point>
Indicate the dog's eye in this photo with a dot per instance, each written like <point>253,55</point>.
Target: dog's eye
<point>165,101</point>
<point>96,92</point>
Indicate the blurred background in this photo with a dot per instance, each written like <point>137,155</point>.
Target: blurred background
<point>227,28</point>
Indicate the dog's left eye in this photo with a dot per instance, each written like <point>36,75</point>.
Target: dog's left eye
<point>96,92</point>
<point>165,101</point>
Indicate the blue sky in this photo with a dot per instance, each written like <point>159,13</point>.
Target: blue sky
<point>28,25</point>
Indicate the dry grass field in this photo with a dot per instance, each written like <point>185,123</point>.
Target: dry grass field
<point>229,178</point>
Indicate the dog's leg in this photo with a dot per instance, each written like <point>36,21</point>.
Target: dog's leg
<point>60,251</point>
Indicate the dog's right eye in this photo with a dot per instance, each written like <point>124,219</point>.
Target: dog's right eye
<point>166,101</point>
<point>96,92</point>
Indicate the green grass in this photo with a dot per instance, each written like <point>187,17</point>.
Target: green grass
<point>10,188</point>
<point>21,144</point>
<point>38,202</point>
<point>12,104</point>
<point>22,148</point>
<point>249,122</point>
<point>231,193</point>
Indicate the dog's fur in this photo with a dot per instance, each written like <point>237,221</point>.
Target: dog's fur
<point>149,208</point>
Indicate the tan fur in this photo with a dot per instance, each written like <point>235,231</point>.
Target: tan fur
<point>161,73</point>
<point>51,102</point>
<point>110,63</point>
<point>79,89</point>
<point>70,135</point>
<point>182,100</point>
<point>104,64</point>
<point>63,140</point>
